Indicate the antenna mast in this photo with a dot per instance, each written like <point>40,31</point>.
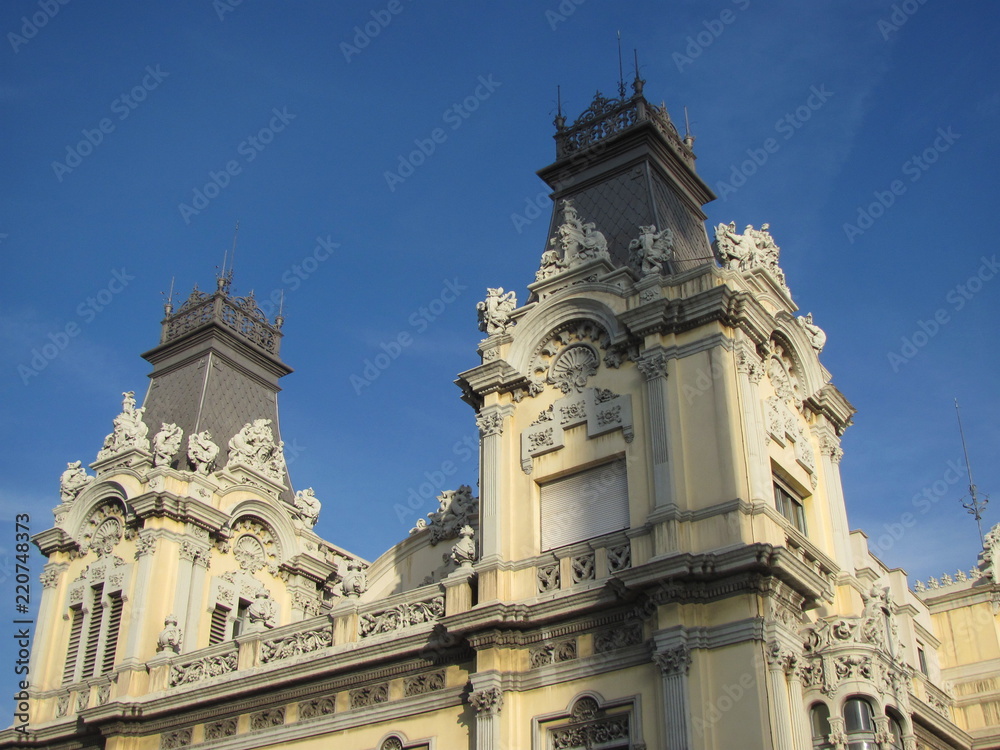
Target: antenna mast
<point>976,505</point>
<point>621,70</point>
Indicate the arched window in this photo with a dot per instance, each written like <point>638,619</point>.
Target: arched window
<point>819,721</point>
<point>896,728</point>
<point>859,724</point>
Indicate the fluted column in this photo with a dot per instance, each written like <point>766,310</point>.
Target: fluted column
<point>831,452</point>
<point>42,653</point>
<point>491,423</point>
<point>801,731</point>
<point>675,663</point>
<point>778,659</point>
<point>145,548</point>
<point>488,703</point>
<point>653,366</point>
<point>750,370</point>
<point>199,557</point>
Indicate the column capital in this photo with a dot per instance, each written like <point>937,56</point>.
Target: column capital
<point>749,364</point>
<point>673,661</point>
<point>487,701</point>
<point>490,420</point>
<point>653,364</point>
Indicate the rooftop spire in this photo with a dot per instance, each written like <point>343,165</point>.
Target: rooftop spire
<point>976,505</point>
<point>621,72</point>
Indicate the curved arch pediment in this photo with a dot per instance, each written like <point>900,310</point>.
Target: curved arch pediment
<point>532,332</point>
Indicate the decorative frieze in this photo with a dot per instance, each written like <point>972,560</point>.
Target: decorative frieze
<point>619,557</point>
<point>296,644</point>
<point>552,652</point>
<point>548,578</point>
<point>582,567</point>
<point>217,730</point>
<point>175,739</point>
<point>50,578</point>
<point>202,669</point>
<point>62,705</point>
<point>616,638</point>
<point>593,734</point>
<point>401,616</point>
<point>369,695</point>
<point>317,707</point>
<point>272,717</point>
<point>600,409</point>
<point>423,683</point>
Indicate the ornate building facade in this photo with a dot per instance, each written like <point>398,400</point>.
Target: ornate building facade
<point>659,555</point>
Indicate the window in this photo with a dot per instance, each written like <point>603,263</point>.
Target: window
<point>73,649</point>
<point>217,630</point>
<point>584,505</point>
<point>896,729</point>
<point>93,632</point>
<point>790,507</point>
<point>112,629</point>
<point>921,658</point>
<point>819,720</point>
<point>242,618</point>
<point>859,725</point>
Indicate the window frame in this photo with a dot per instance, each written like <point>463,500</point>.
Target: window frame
<point>785,495</point>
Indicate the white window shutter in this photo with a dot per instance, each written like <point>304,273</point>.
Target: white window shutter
<point>584,505</point>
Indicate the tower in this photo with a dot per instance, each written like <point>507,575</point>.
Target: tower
<point>659,555</point>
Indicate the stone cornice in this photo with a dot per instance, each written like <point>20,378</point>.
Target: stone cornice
<point>54,540</point>
<point>187,509</point>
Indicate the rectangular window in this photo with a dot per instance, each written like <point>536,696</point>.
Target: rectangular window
<point>790,507</point>
<point>242,618</point>
<point>73,649</point>
<point>921,659</point>
<point>584,505</point>
<point>217,630</point>
<point>93,632</point>
<point>113,627</point>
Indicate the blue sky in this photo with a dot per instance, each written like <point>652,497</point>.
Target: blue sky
<point>119,114</point>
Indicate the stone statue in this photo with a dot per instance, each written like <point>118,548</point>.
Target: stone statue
<point>454,508</point>
<point>652,249</point>
<point>463,553</point>
<point>494,312</point>
<point>254,446</point>
<point>202,451</point>
<point>577,241</point>
<point>129,430</point>
<point>263,612</point>
<point>72,481</point>
<point>817,336</point>
<point>171,636</point>
<point>307,504</point>
<point>737,251</point>
<point>355,583</point>
<point>551,265</point>
<point>755,248</point>
<point>166,443</point>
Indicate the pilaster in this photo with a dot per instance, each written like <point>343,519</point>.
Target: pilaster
<point>778,664</point>
<point>653,366</point>
<point>674,660</point>
<point>491,426</point>
<point>487,700</point>
<point>751,370</point>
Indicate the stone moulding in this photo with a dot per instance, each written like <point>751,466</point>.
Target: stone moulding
<point>295,644</point>
<point>203,668</point>
<point>401,616</point>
